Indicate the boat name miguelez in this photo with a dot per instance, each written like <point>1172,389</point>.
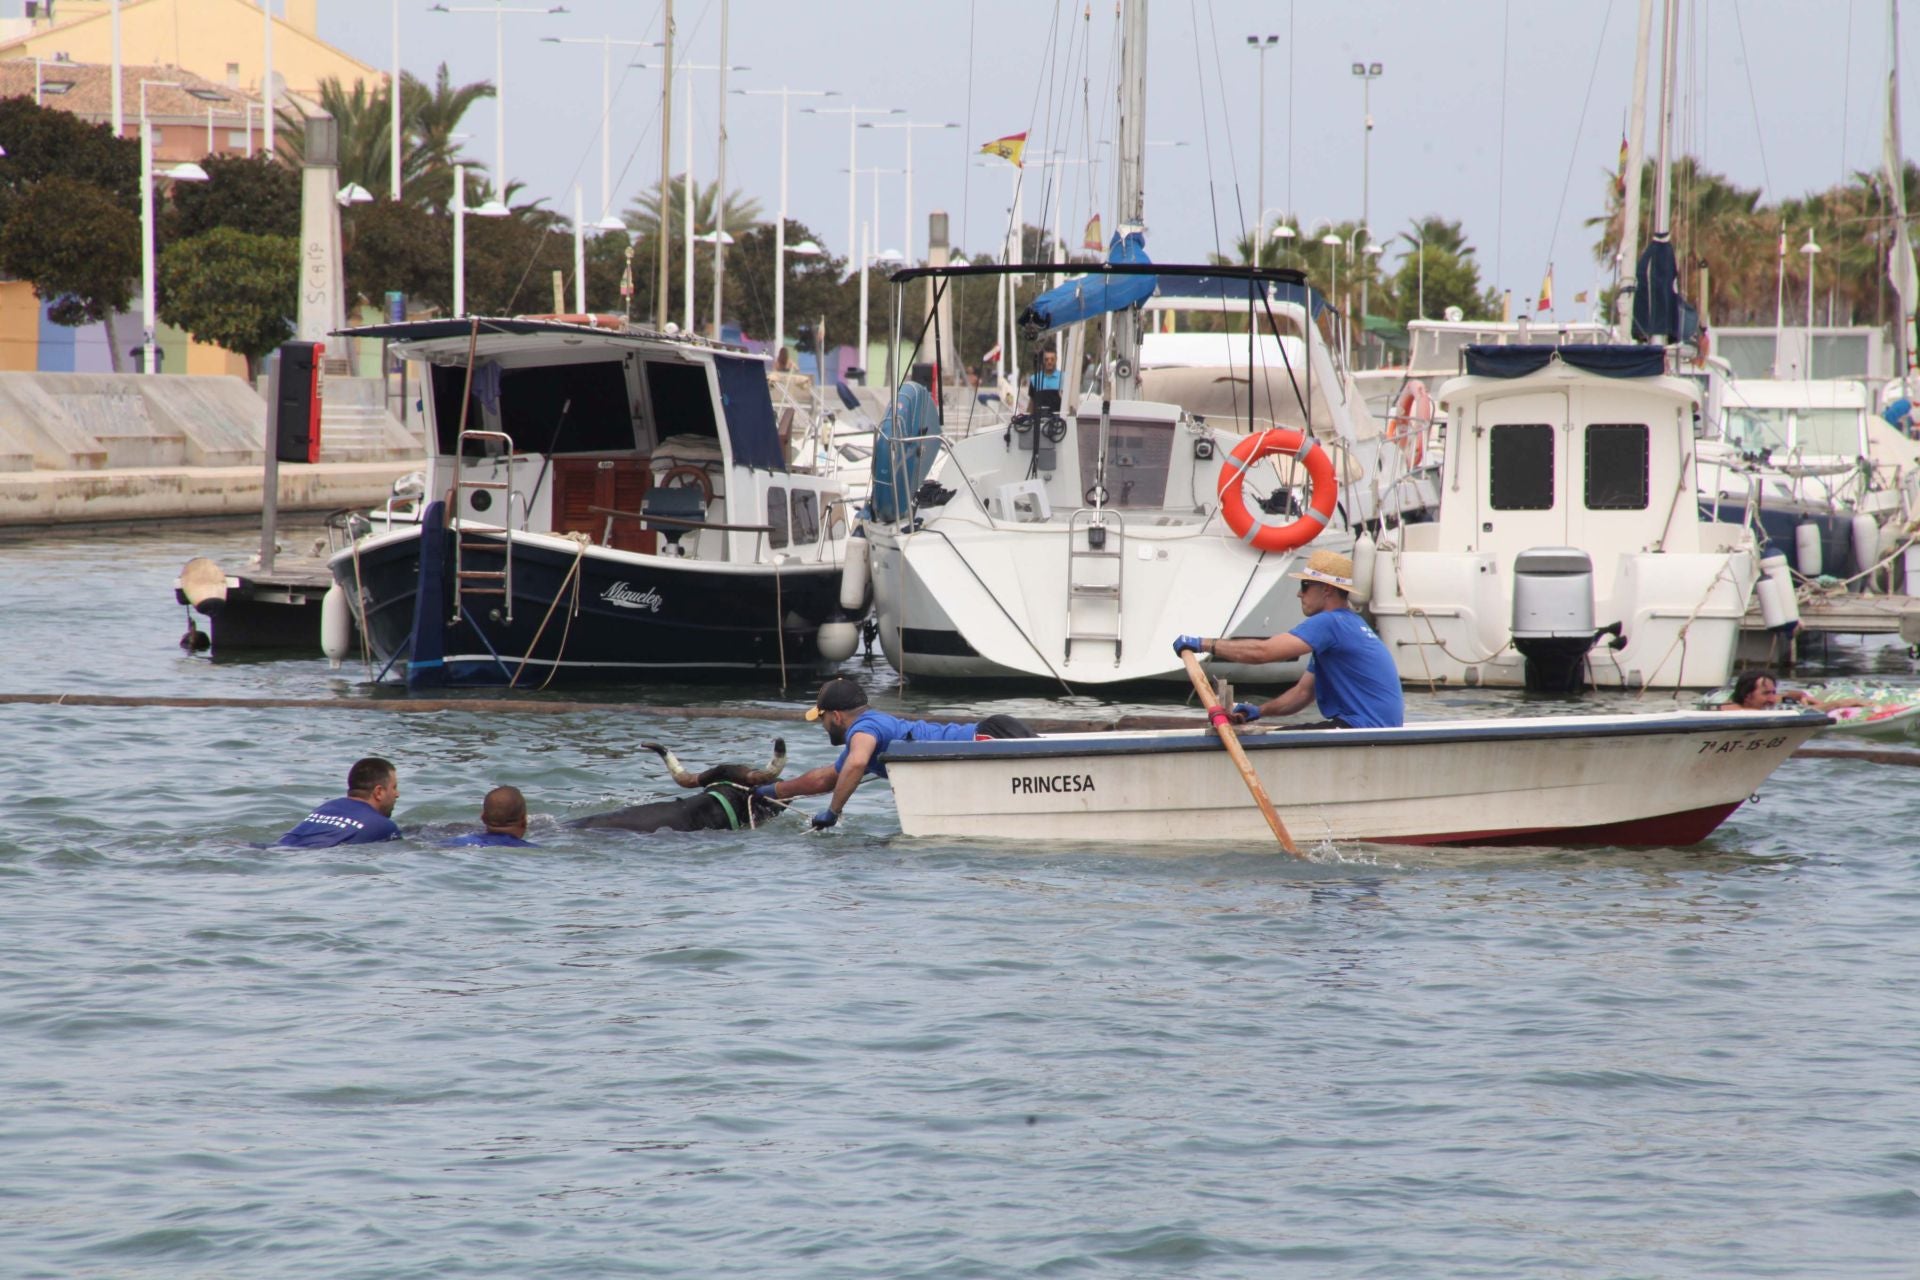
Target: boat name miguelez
<point>623,596</point>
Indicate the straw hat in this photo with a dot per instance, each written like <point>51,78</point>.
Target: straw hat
<point>1329,568</point>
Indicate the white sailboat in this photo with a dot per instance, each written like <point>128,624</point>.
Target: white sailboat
<point>1075,546</point>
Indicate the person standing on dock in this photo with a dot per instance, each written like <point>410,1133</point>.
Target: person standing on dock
<point>1350,675</point>
<point>841,708</point>
<point>363,816</point>
<point>504,814</point>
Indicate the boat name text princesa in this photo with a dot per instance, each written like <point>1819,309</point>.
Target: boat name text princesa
<point>622,596</point>
<point>1032,784</point>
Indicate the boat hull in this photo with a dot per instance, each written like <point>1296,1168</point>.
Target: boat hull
<point>633,617</point>
<point>1666,779</point>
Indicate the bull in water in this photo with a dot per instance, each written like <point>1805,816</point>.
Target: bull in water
<point>726,801</point>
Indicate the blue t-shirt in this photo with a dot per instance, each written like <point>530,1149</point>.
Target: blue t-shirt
<point>502,838</point>
<point>1353,674</point>
<point>342,821</point>
<point>888,729</point>
<point>1897,413</point>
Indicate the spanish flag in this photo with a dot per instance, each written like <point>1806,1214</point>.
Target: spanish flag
<point>1545,301</point>
<point>1092,240</point>
<point>1011,147</point>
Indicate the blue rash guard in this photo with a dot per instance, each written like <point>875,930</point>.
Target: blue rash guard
<point>503,839</point>
<point>887,730</point>
<point>1353,674</point>
<point>342,821</point>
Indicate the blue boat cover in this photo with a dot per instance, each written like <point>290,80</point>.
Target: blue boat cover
<point>749,412</point>
<point>1236,290</point>
<point>1611,361</point>
<point>904,448</point>
<point>1086,296</point>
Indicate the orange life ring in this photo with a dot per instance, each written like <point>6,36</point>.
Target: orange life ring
<point>1412,415</point>
<point>1233,503</point>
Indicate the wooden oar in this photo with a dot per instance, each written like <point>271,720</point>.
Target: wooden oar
<point>1223,726</point>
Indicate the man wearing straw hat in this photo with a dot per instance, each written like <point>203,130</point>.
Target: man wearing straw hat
<point>1350,675</point>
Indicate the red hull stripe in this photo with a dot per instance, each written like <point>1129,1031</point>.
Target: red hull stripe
<point>1668,829</point>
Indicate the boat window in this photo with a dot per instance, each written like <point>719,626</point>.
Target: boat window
<point>1828,431</point>
<point>806,516</point>
<point>550,408</point>
<point>1520,470</point>
<point>777,517</point>
<point>682,400</point>
<point>1616,466</point>
<point>1840,355</point>
<point>1137,458</point>
<point>1752,430</point>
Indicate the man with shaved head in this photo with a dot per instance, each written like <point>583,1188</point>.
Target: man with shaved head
<point>504,813</point>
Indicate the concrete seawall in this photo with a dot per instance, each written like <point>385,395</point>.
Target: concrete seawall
<point>166,493</point>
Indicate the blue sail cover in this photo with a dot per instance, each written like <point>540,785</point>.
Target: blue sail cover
<point>1088,296</point>
<point>903,449</point>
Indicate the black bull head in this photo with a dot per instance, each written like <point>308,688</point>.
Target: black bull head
<point>726,798</point>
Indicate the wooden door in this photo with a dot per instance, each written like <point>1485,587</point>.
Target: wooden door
<point>611,484</point>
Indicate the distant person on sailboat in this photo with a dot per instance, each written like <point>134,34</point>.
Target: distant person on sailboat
<point>1899,416</point>
<point>1350,675</point>
<point>1043,388</point>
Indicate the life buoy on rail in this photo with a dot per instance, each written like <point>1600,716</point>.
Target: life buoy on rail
<point>1412,415</point>
<point>1233,503</point>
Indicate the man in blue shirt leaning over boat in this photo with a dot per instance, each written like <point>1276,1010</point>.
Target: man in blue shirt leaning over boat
<point>1350,675</point>
<point>362,816</point>
<point>842,709</point>
<point>504,814</point>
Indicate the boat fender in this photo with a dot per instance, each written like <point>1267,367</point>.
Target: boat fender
<point>855,573</point>
<point>1866,543</point>
<point>1806,549</point>
<point>1233,502</point>
<point>203,585</point>
<point>1364,552</point>
<point>1775,567</point>
<point>336,625</point>
<point>837,639</point>
<point>1773,609</point>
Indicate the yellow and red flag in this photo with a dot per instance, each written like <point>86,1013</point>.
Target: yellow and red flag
<point>1011,147</point>
<point>1092,240</point>
<point>1545,301</point>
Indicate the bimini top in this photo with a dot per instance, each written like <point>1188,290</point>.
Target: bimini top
<point>1611,361</point>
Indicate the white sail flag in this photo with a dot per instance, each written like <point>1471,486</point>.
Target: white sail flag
<point>1900,264</point>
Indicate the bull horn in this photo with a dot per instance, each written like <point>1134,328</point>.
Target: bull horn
<point>760,777</point>
<point>674,767</point>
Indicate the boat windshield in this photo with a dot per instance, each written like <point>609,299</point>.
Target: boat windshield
<point>1752,430</point>
<point>1829,431</point>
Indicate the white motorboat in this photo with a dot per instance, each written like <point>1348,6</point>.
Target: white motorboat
<point>1570,550</point>
<point>1663,779</point>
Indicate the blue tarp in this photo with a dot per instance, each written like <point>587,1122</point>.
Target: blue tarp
<point>1658,308</point>
<point>1087,296</point>
<point>749,409</point>
<point>1608,361</point>
<point>904,448</point>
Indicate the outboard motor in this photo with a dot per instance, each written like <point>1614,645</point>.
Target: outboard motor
<point>1553,616</point>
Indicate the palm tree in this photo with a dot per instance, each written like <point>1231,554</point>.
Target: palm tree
<point>643,215</point>
<point>364,116</point>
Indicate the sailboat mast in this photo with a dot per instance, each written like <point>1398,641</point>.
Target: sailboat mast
<point>1662,170</point>
<point>1630,199</point>
<point>1130,194</point>
<point>664,238</point>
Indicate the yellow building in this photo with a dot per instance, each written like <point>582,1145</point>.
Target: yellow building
<point>221,40</point>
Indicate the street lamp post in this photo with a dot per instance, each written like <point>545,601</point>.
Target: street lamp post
<point>853,114</point>
<point>1260,232</point>
<point>1368,73</point>
<point>606,222</point>
<point>1286,233</point>
<point>1810,249</point>
<point>907,127</point>
<point>491,209</point>
<point>780,225</point>
<point>499,12</point>
<point>1333,243</point>
<point>180,173</point>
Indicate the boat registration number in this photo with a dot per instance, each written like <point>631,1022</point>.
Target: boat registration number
<point>1720,747</point>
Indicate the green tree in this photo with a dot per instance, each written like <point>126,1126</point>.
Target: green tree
<point>43,142</point>
<point>400,246</point>
<point>77,244</point>
<point>1437,249</point>
<point>643,215</point>
<point>248,194</point>
<point>232,288</point>
<point>430,117</point>
<point>814,286</point>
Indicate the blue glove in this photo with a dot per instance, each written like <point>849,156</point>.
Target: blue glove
<point>765,791</point>
<point>1184,644</point>
<point>1245,712</point>
<point>824,819</point>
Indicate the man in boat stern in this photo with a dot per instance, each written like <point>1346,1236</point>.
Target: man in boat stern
<point>864,736</point>
<point>1350,675</point>
<point>504,815</point>
<point>363,816</point>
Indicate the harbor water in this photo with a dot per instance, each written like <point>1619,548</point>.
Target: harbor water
<point>776,1053</point>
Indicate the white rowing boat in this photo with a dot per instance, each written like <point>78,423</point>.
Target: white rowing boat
<point>1662,779</point>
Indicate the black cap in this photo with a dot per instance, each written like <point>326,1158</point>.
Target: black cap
<point>838,694</point>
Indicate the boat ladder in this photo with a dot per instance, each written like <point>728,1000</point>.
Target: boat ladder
<point>481,582</point>
<point>1096,570</point>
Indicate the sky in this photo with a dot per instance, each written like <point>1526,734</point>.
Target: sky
<point>1504,115</point>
